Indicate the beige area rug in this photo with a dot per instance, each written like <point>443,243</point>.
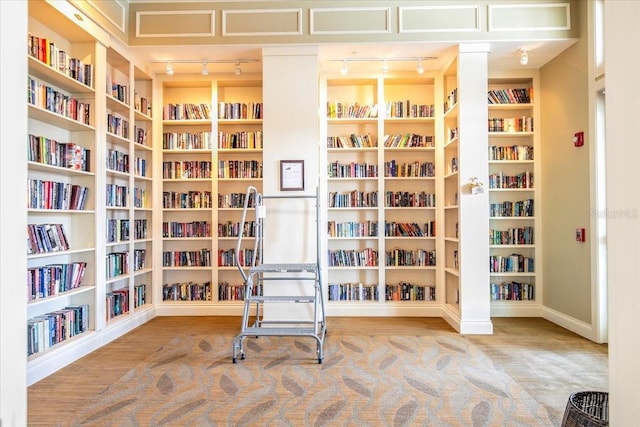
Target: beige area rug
<point>442,380</point>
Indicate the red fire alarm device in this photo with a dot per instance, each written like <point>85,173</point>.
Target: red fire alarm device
<point>578,139</point>
<point>580,235</point>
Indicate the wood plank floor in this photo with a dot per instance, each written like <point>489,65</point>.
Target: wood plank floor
<point>546,360</point>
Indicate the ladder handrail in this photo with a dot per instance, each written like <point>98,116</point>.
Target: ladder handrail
<point>257,201</point>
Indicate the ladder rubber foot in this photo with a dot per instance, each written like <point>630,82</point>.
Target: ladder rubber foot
<point>234,360</point>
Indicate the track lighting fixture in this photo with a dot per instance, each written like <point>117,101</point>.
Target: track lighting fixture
<point>205,64</point>
<point>385,67</point>
<point>418,60</point>
<point>524,57</point>
<point>345,67</point>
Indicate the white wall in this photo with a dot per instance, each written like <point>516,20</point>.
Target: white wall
<point>622,42</point>
<point>13,219</point>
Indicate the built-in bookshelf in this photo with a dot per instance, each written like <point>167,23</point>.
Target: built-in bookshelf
<point>187,192</point>
<point>513,167</point>
<point>239,146</point>
<point>381,193</point>
<point>61,205</point>
<point>451,226</point>
<point>212,151</point>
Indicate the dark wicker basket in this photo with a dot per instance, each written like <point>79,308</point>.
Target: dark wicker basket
<point>587,409</point>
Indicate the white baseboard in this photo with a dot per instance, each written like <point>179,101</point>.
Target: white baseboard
<point>574,325</point>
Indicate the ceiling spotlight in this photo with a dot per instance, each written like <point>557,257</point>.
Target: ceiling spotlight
<point>237,70</point>
<point>385,67</point>
<point>169,69</point>
<point>419,67</point>
<point>524,57</point>
<point>205,70</point>
<point>345,67</point>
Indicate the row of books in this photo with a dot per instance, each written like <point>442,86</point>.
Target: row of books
<point>186,170</point>
<point>141,104</point>
<point>511,124</point>
<point>117,303</point>
<point>352,170</point>
<point>405,229</point>
<point>352,292</point>
<point>56,195</point>
<point>45,238</point>
<point>51,99</point>
<point>521,95</point>
<point>410,258</point>
<point>186,229</point>
<point>234,200</point>
<point>117,230</point>
<point>409,292</point>
<point>511,152</point>
<point>186,291</point>
<point>227,258</point>
<point>140,135</point>
<point>140,198</point>
<point>117,125</point>
<point>520,208</point>
<point>117,196</point>
<point>409,109</point>
<point>393,169</point>
<point>139,294</point>
<point>352,229</point>
<point>411,140</point>
<point>141,167</point>
<point>139,259</point>
<point>186,200</point>
<point>62,154</point>
<point>54,279</point>
<point>240,110</point>
<point>452,99</point>
<point>186,141</point>
<point>515,263</point>
<point>512,236</point>
<point>201,258</point>
<point>118,91</point>
<point>239,140</point>
<point>230,292</point>
<point>405,199</point>
<point>46,51</point>
<point>343,110</point>
<point>117,161</point>
<point>47,330</point>
<point>512,291</point>
<point>187,111</point>
<point>500,180</point>
<point>232,229</point>
<point>239,169</point>
<point>352,141</point>
<point>353,199</point>
<point>367,257</point>
<point>117,264</point>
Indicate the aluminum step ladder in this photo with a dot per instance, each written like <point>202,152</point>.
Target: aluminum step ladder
<point>258,276</point>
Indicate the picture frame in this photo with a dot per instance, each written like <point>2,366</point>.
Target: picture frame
<point>291,175</point>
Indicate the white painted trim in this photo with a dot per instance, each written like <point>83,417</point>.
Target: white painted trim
<point>225,13</point>
<point>121,26</point>
<point>177,12</point>
<point>401,9</point>
<point>567,322</point>
<point>476,327</point>
<point>529,5</point>
<point>312,12</point>
<point>515,309</point>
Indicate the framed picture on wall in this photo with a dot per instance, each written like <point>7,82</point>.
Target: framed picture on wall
<point>291,175</point>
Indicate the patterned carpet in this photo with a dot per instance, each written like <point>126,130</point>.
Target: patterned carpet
<point>442,380</point>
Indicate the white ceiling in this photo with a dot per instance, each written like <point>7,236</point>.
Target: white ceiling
<point>504,56</point>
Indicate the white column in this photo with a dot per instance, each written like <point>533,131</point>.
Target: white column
<point>13,215</point>
<point>622,42</point>
<point>475,313</point>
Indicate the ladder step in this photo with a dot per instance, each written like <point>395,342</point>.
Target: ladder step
<point>285,268</point>
<point>282,298</point>
<point>269,331</point>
